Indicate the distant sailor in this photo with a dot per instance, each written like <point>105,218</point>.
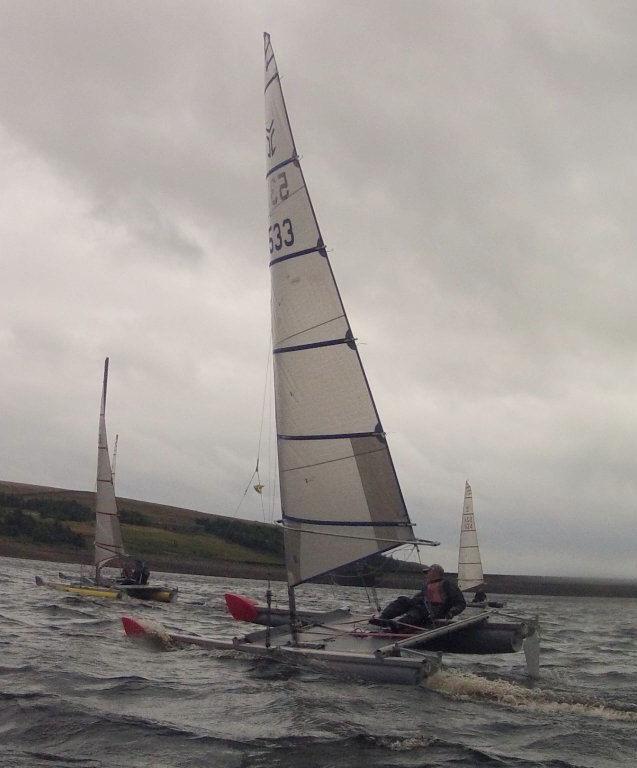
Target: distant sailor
<point>480,596</point>
<point>439,599</point>
<point>134,572</point>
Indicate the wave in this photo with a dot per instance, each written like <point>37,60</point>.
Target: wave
<point>468,686</point>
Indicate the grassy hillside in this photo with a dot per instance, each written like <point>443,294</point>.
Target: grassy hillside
<point>58,524</point>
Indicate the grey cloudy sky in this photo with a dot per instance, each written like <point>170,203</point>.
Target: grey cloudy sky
<point>473,168</point>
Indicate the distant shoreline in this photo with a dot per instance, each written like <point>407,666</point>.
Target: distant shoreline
<point>167,523</point>
<point>498,584</point>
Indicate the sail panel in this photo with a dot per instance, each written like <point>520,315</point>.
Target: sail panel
<point>108,537</point>
<point>305,306</point>
<point>314,551</point>
<point>320,391</point>
<point>335,469</point>
<point>469,562</point>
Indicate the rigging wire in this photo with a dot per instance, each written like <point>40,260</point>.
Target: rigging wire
<point>258,487</point>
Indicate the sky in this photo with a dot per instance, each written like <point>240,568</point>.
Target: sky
<point>473,167</point>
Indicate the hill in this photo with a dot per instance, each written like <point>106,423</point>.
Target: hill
<point>47,523</point>
<point>57,524</point>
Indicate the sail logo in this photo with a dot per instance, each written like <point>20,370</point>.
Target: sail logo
<point>468,523</point>
<point>269,137</point>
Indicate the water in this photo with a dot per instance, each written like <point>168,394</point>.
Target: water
<point>75,692</point>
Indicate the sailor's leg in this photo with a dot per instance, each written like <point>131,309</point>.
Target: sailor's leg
<point>418,616</point>
<point>396,608</point>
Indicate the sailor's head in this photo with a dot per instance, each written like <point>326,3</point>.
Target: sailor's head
<point>435,572</point>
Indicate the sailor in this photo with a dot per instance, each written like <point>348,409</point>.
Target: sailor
<point>140,572</point>
<point>128,572</point>
<point>439,599</point>
<point>480,596</point>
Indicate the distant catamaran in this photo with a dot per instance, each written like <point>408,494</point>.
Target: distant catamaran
<point>470,573</point>
<point>340,498</point>
<point>109,548</point>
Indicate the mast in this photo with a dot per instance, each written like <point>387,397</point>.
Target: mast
<point>340,497</point>
<point>469,562</point>
<point>108,537</point>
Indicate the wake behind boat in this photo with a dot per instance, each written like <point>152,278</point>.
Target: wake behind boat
<point>341,502</point>
<point>109,548</point>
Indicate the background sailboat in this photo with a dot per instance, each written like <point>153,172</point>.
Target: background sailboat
<point>470,573</point>
<point>109,548</point>
<point>108,536</point>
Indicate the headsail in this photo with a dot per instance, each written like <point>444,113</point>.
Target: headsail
<point>340,497</point>
<point>469,562</point>
<point>108,537</point>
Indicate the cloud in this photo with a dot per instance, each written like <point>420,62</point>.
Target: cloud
<point>473,171</point>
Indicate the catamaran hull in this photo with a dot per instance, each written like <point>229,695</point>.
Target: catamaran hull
<point>113,592</point>
<point>157,594</point>
<point>393,670</point>
<point>480,639</point>
<point>81,590</point>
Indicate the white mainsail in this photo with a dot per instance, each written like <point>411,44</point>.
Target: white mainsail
<point>469,562</point>
<point>108,537</point>
<point>340,497</point>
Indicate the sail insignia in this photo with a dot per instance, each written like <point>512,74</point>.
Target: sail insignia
<point>335,467</point>
<point>469,562</point>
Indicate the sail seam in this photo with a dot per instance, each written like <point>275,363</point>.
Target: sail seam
<point>332,461</point>
<point>312,328</point>
<point>317,249</point>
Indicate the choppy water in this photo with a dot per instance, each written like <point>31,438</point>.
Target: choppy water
<point>75,692</point>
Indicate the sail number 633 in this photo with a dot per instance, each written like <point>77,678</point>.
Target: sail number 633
<point>280,235</point>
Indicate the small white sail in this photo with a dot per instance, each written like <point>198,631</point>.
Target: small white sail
<point>340,497</point>
<point>108,537</point>
<point>469,562</point>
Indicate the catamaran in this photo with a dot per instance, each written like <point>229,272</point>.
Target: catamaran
<point>340,498</point>
<point>470,573</point>
<point>109,548</point>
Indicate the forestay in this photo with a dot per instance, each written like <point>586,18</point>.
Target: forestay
<point>340,497</point>
<point>469,562</point>
<point>108,537</point>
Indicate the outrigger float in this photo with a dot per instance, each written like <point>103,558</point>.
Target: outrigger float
<point>109,548</point>
<point>341,502</point>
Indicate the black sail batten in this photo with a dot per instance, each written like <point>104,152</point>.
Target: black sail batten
<point>314,437</point>
<point>331,436</point>
<point>347,339</point>
<point>296,254</point>
<point>314,345</point>
<point>346,523</point>
<point>282,164</point>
